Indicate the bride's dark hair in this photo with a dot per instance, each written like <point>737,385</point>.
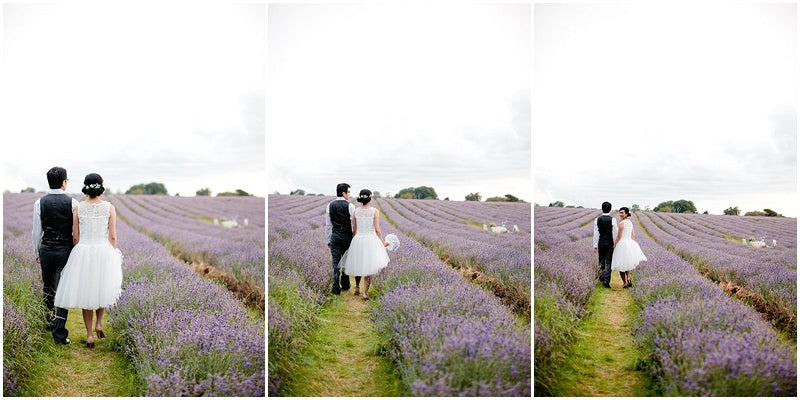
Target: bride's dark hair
<point>364,196</point>
<point>627,211</point>
<point>93,185</point>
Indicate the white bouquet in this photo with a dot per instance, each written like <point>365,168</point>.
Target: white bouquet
<point>393,241</point>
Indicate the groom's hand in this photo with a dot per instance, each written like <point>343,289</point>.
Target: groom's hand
<point>595,250</point>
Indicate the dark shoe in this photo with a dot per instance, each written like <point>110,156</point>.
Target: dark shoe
<point>607,286</point>
<point>336,292</point>
<point>65,342</point>
<point>100,334</point>
<point>90,345</point>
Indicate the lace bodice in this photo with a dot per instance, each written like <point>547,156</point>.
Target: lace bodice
<point>364,218</point>
<point>93,222</point>
<point>627,229</point>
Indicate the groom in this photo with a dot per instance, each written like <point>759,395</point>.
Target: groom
<point>339,233</point>
<point>603,241</point>
<point>52,243</point>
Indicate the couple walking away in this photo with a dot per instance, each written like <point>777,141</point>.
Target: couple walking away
<point>615,246</point>
<point>354,237</point>
<point>75,244</point>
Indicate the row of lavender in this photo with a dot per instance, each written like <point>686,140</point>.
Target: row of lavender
<point>775,282</point>
<point>23,311</point>
<point>701,342</point>
<point>731,235</point>
<point>452,233</point>
<point>185,335</point>
<point>299,278</point>
<point>564,278</point>
<point>185,225</point>
<point>447,337</point>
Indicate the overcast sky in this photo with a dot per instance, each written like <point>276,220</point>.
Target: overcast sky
<point>644,104</point>
<point>390,96</point>
<point>137,93</point>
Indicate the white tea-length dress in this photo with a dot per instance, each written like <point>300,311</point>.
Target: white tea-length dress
<point>92,277</point>
<point>627,253</point>
<point>366,255</point>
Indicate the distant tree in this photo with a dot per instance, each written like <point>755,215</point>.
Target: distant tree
<point>298,192</point>
<point>376,195</point>
<point>496,198</point>
<point>705,212</point>
<point>150,188</point>
<point>635,208</point>
<point>677,206</point>
<point>556,204</point>
<point>422,192</point>
<point>238,192</point>
<point>513,199</point>
<point>771,213</point>
<point>755,214</point>
<point>446,199</point>
<point>28,190</point>
<point>203,192</point>
<point>473,197</point>
<point>732,211</point>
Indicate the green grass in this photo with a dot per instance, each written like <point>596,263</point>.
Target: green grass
<point>603,361</point>
<point>343,356</point>
<point>77,371</point>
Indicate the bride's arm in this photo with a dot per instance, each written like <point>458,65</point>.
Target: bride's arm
<point>378,228</point>
<point>619,235</point>
<point>112,226</point>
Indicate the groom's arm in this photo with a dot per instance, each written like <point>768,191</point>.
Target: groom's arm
<point>328,225</point>
<point>36,235</point>
<point>595,236</point>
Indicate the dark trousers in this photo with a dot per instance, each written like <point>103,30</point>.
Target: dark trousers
<point>605,252</point>
<point>53,259</point>
<point>339,244</point>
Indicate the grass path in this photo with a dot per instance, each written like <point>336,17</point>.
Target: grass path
<point>343,357</point>
<point>77,371</point>
<point>603,361</point>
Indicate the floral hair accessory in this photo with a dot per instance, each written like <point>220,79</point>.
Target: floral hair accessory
<point>93,186</point>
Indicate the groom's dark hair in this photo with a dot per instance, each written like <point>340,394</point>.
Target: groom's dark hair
<point>606,207</point>
<point>341,188</point>
<point>56,176</point>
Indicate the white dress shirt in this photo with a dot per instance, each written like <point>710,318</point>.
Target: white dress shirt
<point>37,221</point>
<point>329,224</point>
<point>596,236</point>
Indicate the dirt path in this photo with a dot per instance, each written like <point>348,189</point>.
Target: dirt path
<point>343,357</point>
<point>603,360</point>
<point>77,371</point>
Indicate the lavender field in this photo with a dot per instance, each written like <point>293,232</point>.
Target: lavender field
<point>445,336</point>
<point>699,337</point>
<point>184,335</point>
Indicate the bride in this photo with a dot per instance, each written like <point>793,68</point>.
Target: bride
<point>627,253</point>
<point>92,278</point>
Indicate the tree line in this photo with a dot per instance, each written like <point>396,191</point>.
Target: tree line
<point>420,193</point>
<point>685,206</point>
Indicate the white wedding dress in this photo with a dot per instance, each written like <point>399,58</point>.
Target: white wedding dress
<point>366,255</point>
<point>92,277</point>
<point>627,254</point>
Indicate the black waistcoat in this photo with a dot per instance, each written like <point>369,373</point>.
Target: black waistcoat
<point>605,227</point>
<point>340,217</point>
<point>56,213</point>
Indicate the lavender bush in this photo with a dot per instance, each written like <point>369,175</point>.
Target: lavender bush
<point>564,276</point>
<point>702,342</point>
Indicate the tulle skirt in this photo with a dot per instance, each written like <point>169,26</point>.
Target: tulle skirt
<point>365,257</point>
<point>627,255</point>
<point>91,279</point>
